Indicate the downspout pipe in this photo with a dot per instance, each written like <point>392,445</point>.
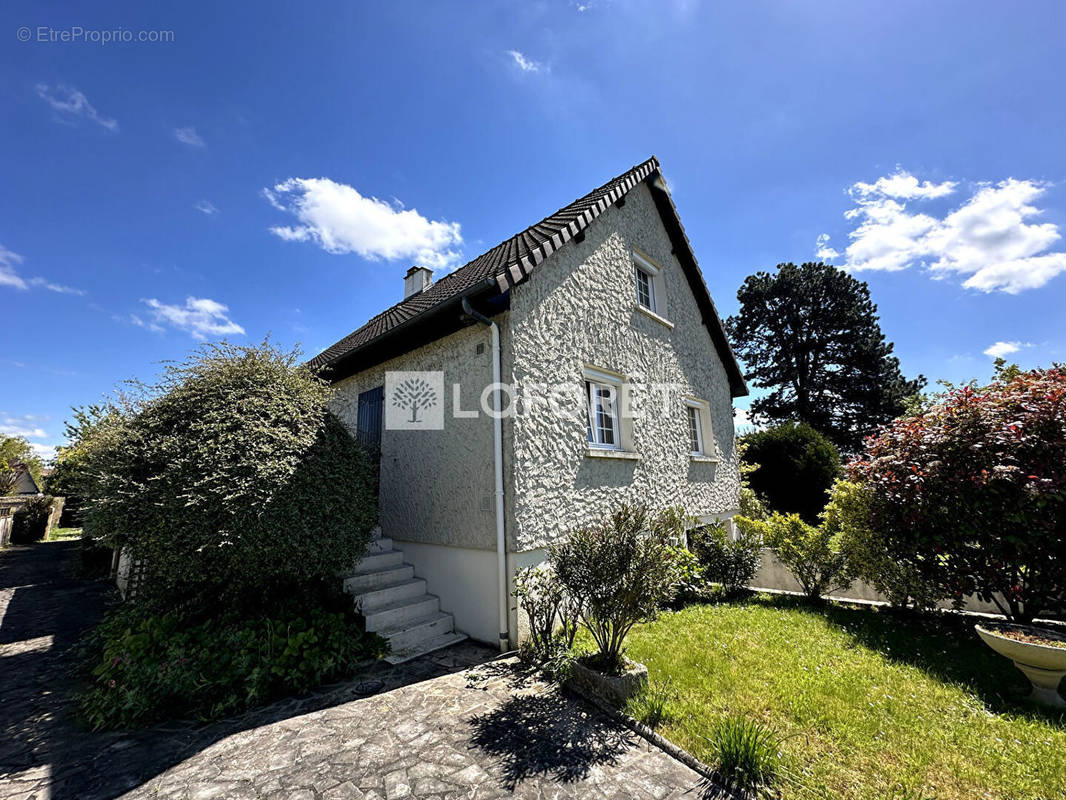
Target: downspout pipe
<point>497,442</point>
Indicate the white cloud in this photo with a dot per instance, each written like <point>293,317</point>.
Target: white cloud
<point>987,240</point>
<point>189,136</point>
<point>69,103</point>
<point>822,250</point>
<point>55,287</point>
<point>45,452</point>
<point>742,419</point>
<point>200,316</point>
<point>525,63</point>
<point>207,207</point>
<point>8,276</point>
<point>341,220</point>
<point>140,323</point>
<point>904,186</point>
<point>1004,349</point>
<point>23,426</point>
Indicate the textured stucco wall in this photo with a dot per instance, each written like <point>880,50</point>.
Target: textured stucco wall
<point>577,309</point>
<point>436,486</point>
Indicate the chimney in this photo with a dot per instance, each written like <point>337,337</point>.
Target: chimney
<point>416,281</point>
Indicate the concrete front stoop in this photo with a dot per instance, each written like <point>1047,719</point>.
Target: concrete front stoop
<point>395,605</point>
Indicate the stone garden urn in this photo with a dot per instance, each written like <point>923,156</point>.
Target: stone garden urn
<point>1043,664</point>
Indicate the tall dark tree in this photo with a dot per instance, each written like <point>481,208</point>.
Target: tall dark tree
<point>811,335</point>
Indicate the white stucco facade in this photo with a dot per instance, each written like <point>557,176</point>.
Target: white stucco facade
<point>578,310</point>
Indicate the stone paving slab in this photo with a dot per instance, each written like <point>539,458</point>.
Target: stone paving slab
<point>487,732</point>
<point>450,724</point>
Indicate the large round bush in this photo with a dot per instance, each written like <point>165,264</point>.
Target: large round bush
<point>794,466</point>
<point>229,480</point>
<point>971,494</point>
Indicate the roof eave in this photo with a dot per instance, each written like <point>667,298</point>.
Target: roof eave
<point>344,366</point>
<point>684,253</point>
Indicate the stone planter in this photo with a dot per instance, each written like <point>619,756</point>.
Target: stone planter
<point>614,688</point>
<point>1043,665</point>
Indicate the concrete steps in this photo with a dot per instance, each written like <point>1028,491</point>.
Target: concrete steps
<point>395,604</point>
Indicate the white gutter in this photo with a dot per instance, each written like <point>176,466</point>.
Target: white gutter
<point>497,442</point>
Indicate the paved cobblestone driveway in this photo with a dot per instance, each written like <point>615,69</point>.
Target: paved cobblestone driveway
<point>436,727</point>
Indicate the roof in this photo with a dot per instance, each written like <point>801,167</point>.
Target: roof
<point>513,261</point>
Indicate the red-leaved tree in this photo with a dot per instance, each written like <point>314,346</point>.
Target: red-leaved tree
<point>971,493</point>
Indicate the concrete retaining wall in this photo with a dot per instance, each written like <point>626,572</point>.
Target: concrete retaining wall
<point>774,575</point>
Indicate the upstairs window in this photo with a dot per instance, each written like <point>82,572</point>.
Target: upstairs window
<point>645,289</point>
<point>648,288</point>
<point>695,431</point>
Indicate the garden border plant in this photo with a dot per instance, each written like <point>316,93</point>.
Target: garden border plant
<point>622,573</point>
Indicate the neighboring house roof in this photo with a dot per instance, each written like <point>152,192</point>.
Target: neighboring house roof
<point>24,482</point>
<point>513,261</point>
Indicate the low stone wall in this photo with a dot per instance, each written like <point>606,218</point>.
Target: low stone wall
<point>10,505</point>
<point>7,521</point>
<point>774,575</point>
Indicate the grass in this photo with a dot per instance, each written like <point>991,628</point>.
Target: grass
<point>62,534</point>
<point>866,703</point>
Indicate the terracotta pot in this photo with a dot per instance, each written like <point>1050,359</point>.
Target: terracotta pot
<point>1042,664</point>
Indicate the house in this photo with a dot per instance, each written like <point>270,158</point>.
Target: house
<point>24,485</point>
<point>575,366</point>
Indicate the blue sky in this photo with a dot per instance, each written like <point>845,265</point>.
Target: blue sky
<point>277,170</point>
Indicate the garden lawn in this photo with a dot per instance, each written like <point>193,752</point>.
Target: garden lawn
<point>871,704</point>
<point>63,534</point>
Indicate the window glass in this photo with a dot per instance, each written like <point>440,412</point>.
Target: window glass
<point>695,436</point>
<point>602,426</point>
<point>645,293</point>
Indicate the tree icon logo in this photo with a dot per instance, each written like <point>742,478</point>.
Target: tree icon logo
<point>414,394</point>
<point>414,400</point>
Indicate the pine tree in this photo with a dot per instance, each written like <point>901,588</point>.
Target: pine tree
<point>811,335</point>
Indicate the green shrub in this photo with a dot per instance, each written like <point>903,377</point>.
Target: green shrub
<point>809,551</point>
<point>546,606</point>
<point>146,668</point>
<point>866,554</point>
<point>730,562</point>
<point>620,571</point>
<point>30,522</point>
<point>747,753</point>
<point>229,479</point>
<point>751,504</point>
<point>96,557</point>
<point>794,468</point>
<point>690,582</point>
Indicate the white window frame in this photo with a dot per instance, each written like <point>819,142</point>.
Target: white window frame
<point>599,378</point>
<point>704,431</point>
<point>597,408</point>
<point>694,415</point>
<point>643,264</point>
<point>642,279</point>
